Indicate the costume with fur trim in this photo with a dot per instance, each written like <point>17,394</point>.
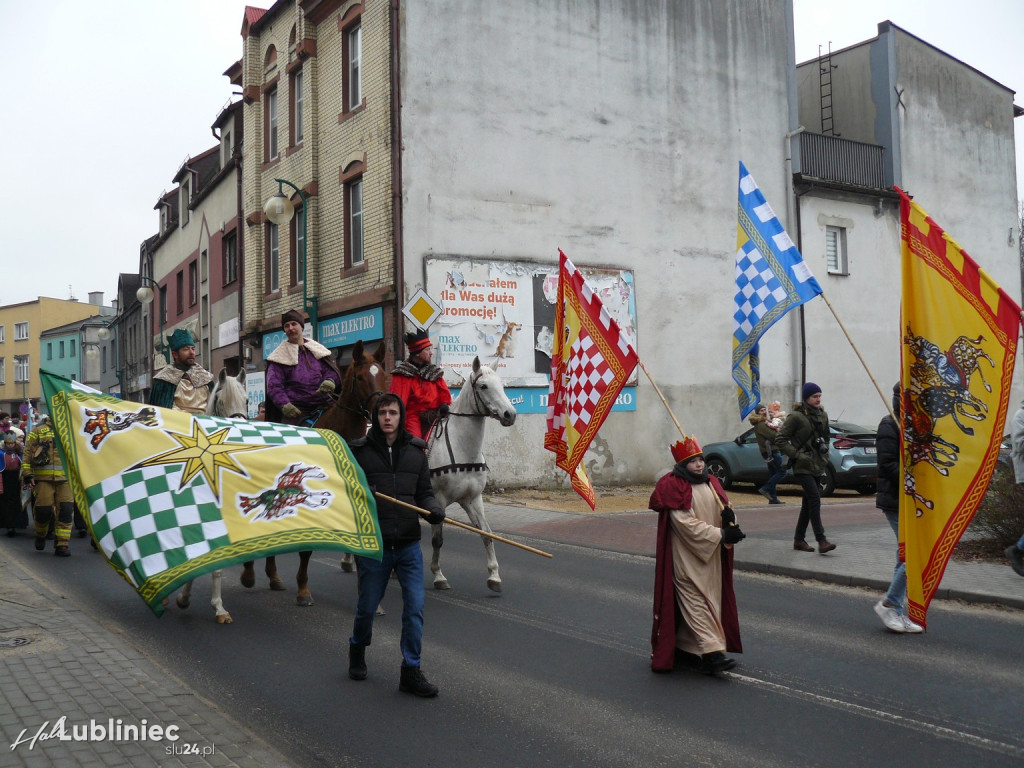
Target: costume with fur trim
<point>295,373</point>
<point>423,391</point>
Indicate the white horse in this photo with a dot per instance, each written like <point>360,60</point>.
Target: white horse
<point>227,399</point>
<point>458,472</point>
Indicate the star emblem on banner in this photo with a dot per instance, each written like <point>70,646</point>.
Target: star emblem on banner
<point>204,453</point>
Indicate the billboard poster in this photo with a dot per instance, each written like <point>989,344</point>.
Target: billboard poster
<point>504,312</point>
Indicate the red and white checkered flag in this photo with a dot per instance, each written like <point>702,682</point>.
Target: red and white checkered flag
<point>590,363</point>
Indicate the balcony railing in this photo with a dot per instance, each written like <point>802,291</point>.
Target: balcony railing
<point>841,161</point>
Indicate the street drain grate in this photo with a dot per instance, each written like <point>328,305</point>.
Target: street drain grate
<point>14,642</point>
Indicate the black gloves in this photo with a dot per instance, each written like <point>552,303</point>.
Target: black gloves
<point>728,517</point>
<point>443,410</point>
<point>436,518</point>
<point>732,535</point>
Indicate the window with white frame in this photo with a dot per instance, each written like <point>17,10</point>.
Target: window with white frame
<point>835,251</point>
<point>21,363</point>
<point>271,123</point>
<point>230,258</point>
<point>299,100</point>
<point>20,331</point>
<point>354,206</point>
<point>355,55</point>
<point>1,333</point>
<point>274,258</point>
<point>3,370</point>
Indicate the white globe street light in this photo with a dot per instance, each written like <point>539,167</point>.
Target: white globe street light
<point>279,209</point>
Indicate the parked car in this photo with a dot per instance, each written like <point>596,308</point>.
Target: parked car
<point>853,462</point>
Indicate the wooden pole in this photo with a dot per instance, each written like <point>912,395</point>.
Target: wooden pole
<point>663,400</point>
<point>458,524</point>
<point>842,327</point>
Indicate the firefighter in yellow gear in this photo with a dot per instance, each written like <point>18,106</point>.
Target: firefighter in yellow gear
<point>43,471</point>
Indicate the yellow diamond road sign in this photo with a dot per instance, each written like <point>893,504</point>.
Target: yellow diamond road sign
<point>421,309</point>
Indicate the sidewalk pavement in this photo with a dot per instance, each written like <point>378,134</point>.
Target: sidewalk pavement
<point>58,661</point>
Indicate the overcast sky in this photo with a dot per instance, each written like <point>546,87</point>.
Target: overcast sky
<point>106,98</point>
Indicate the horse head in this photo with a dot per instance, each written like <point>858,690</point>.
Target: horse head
<point>364,380</point>
<point>487,395</point>
<point>229,398</point>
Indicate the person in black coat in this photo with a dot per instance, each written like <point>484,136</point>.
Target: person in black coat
<point>395,465</point>
<point>891,609</point>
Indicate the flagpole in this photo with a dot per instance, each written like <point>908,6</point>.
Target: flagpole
<point>457,524</point>
<point>842,327</point>
<point>663,400</point>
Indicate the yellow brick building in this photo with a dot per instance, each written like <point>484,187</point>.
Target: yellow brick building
<point>20,327</point>
<point>316,81</point>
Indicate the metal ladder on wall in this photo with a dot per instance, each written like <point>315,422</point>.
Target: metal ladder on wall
<point>825,67</point>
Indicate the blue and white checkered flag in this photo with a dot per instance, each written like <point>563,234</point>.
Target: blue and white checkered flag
<point>771,279</point>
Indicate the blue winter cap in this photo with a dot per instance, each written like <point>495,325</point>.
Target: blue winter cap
<point>180,338</point>
<point>810,389</point>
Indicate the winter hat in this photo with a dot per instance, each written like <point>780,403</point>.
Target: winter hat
<point>810,389</point>
<point>417,341</point>
<point>293,315</point>
<point>180,338</point>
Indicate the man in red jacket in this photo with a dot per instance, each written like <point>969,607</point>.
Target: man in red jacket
<point>421,385</point>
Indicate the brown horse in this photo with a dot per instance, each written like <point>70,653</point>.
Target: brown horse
<point>362,382</point>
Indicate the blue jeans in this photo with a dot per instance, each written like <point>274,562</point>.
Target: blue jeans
<point>897,594</point>
<point>775,467</point>
<point>407,562</point>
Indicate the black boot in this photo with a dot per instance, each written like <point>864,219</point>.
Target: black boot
<point>357,661</point>
<point>715,662</point>
<point>415,683</point>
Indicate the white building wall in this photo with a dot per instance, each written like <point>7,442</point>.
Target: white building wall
<point>614,131</point>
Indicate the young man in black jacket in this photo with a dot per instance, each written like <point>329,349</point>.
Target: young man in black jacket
<point>395,465</point>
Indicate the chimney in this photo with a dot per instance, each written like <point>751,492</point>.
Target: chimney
<point>96,298</point>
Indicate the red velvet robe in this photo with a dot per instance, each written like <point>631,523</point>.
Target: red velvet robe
<point>672,492</point>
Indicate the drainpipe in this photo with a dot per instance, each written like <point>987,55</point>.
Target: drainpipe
<point>396,179</point>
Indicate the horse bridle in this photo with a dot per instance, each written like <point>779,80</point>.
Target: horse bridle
<point>439,428</point>
<point>364,409</point>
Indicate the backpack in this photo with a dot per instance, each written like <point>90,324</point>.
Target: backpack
<point>41,453</point>
<point>12,461</point>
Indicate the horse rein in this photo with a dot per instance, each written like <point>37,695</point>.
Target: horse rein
<point>440,427</point>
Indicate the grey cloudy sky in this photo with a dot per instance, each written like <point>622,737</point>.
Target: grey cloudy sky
<point>107,98</point>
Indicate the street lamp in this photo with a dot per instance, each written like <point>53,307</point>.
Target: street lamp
<point>145,294</point>
<point>279,210</point>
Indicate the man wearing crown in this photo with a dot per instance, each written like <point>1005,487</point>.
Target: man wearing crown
<point>184,384</point>
<point>695,617</point>
<point>421,385</point>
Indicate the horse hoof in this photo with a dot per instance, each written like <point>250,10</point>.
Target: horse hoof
<point>248,580</point>
<point>494,585</point>
<point>224,618</point>
<point>276,585</point>
<point>182,602</point>
<point>304,600</point>
<point>443,584</point>
<point>346,566</point>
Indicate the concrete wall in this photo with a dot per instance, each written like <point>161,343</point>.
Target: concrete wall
<point>612,130</point>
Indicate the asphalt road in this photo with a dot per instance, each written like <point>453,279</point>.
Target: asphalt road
<point>555,670</point>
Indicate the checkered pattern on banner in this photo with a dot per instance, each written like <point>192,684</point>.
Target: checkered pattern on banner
<point>144,543</point>
<point>588,375</point>
<point>757,290</point>
<point>261,432</point>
